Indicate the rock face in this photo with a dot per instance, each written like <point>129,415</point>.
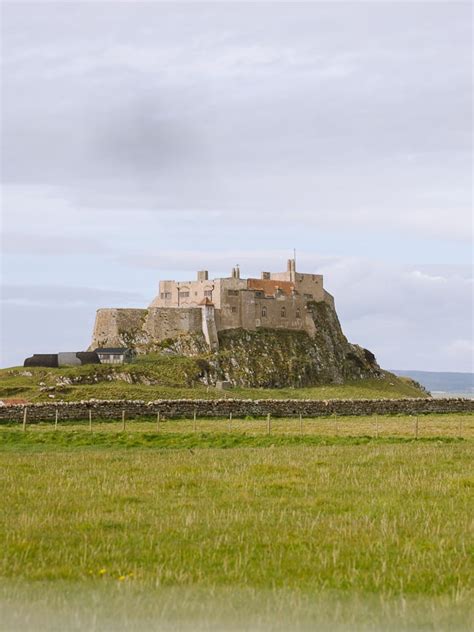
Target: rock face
<point>258,358</point>
<point>272,358</point>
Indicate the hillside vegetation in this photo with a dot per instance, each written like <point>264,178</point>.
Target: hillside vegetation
<point>161,377</point>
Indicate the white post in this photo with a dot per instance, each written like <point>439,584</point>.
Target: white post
<point>269,424</point>
<point>230,422</point>
<point>90,420</point>
<point>56,419</point>
<point>194,420</point>
<point>123,421</point>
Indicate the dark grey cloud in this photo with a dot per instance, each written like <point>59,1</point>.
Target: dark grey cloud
<point>204,107</point>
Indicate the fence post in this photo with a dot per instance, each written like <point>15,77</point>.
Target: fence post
<point>56,419</point>
<point>194,420</point>
<point>230,422</point>
<point>90,420</point>
<point>123,421</point>
<point>269,424</point>
<point>24,418</point>
<point>158,420</point>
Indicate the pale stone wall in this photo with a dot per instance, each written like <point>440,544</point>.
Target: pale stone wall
<point>163,323</point>
<point>209,328</point>
<point>141,328</point>
<point>184,293</point>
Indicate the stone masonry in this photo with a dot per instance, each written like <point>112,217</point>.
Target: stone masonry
<point>204,307</point>
<point>75,411</point>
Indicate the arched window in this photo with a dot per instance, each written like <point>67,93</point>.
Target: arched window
<point>283,312</point>
<point>264,312</point>
<point>298,313</point>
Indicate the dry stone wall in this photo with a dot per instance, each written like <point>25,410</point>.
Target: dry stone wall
<point>70,411</point>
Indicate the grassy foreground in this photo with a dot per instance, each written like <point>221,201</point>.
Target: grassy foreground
<point>160,377</point>
<point>315,531</point>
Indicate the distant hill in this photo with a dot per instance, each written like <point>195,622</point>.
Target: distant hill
<point>442,382</point>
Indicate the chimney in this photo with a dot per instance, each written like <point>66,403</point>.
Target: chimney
<point>203,275</point>
<point>236,272</point>
<point>291,268</point>
<point>265,275</point>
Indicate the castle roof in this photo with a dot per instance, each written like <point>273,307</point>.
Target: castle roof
<point>112,350</point>
<point>271,286</point>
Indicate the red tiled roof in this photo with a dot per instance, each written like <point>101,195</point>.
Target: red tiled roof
<point>270,286</point>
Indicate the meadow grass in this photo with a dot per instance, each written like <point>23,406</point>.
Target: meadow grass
<point>164,529</point>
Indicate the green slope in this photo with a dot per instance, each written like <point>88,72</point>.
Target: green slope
<point>160,376</point>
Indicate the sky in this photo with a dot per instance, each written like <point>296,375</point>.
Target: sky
<point>145,141</point>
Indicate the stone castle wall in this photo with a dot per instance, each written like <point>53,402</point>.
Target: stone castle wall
<point>275,301</point>
<point>76,411</point>
<point>141,329</point>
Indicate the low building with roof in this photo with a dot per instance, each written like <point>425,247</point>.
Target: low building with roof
<point>114,355</point>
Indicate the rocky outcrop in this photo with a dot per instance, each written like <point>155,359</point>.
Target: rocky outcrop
<point>277,358</point>
<point>269,358</point>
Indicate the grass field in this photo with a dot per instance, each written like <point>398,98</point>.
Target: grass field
<point>347,527</point>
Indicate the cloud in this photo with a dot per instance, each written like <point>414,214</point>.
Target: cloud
<point>50,244</point>
<point>51,296</point>
<point>154,139</point>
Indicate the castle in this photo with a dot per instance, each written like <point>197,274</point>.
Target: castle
<point>277,300</point>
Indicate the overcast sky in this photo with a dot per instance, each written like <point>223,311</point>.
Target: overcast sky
<point>146,141</point>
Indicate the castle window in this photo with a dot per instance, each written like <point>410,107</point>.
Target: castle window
<point>232,292</point>
<point>234,309</point>
<point>259,294</point>
<point>283,312</point>
<point>184,295</point>
<point>264,312</point>
<point>298,313</point>
<point>165,295</point>
<point>208,293</point>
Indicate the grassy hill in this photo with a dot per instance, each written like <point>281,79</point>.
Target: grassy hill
<point>164,377</point>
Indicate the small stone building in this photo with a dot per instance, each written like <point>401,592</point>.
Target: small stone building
<point>114,355</point>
